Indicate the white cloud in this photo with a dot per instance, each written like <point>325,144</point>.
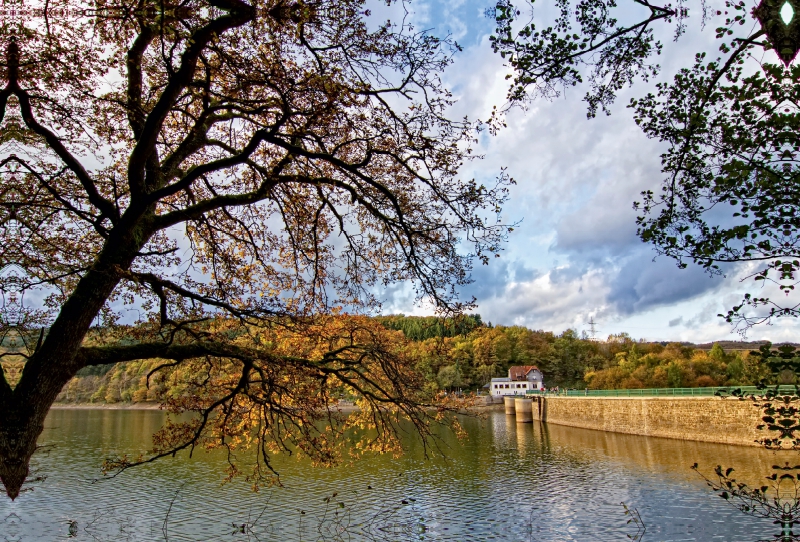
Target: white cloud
<point>545,302</point>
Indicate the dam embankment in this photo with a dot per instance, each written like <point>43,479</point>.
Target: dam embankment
<point>704,419</point>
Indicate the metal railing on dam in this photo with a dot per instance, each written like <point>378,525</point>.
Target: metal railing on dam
<point>651,392</point>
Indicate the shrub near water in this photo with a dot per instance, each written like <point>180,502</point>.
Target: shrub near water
<point>120,382</point>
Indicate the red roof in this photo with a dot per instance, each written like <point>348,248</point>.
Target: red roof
<point>519,372</point>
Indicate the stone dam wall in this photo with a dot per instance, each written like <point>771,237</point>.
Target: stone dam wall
<point>707,419</point>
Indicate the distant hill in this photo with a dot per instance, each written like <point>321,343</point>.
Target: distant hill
<point>736,345</point>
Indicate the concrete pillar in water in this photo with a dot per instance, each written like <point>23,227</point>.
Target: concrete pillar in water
<point>524,408</point>
<point>508,400</point>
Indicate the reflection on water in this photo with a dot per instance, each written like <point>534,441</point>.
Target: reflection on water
<point>507,481</point>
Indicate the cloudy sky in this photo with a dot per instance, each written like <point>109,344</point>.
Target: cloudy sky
<point>576,255</point>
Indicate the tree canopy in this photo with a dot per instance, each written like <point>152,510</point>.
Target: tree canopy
<point>178,181</point>
<point>584,43</point>
<point>729,118</point>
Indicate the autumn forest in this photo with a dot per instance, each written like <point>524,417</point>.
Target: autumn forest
<point>464,354</point>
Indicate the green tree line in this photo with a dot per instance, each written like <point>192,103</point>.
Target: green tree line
<point>419,328</point>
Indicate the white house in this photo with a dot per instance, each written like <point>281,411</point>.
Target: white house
<point>520,379</point>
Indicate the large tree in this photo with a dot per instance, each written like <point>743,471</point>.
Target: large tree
<point>730,194</point>
<point>731,191</point>
<point>198,182</point>
<point>729,197</point>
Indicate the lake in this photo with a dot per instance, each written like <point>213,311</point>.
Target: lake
<point>506,481</point>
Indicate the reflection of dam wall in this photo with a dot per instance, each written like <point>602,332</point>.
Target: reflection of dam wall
<point>676,456</point>
<point>711,419</point>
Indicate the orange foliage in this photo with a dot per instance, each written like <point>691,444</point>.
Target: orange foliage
<point>281,392</point>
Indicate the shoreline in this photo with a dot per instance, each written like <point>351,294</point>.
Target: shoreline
<point>139,406</point>
<point>105,406</point>
<point>157,406</point>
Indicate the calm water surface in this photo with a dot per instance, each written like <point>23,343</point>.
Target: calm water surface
<point>505,482</point>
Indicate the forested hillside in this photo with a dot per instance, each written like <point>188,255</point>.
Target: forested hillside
<point>466,353</point>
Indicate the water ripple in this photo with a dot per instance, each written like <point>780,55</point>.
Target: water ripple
<point>507,482</point>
